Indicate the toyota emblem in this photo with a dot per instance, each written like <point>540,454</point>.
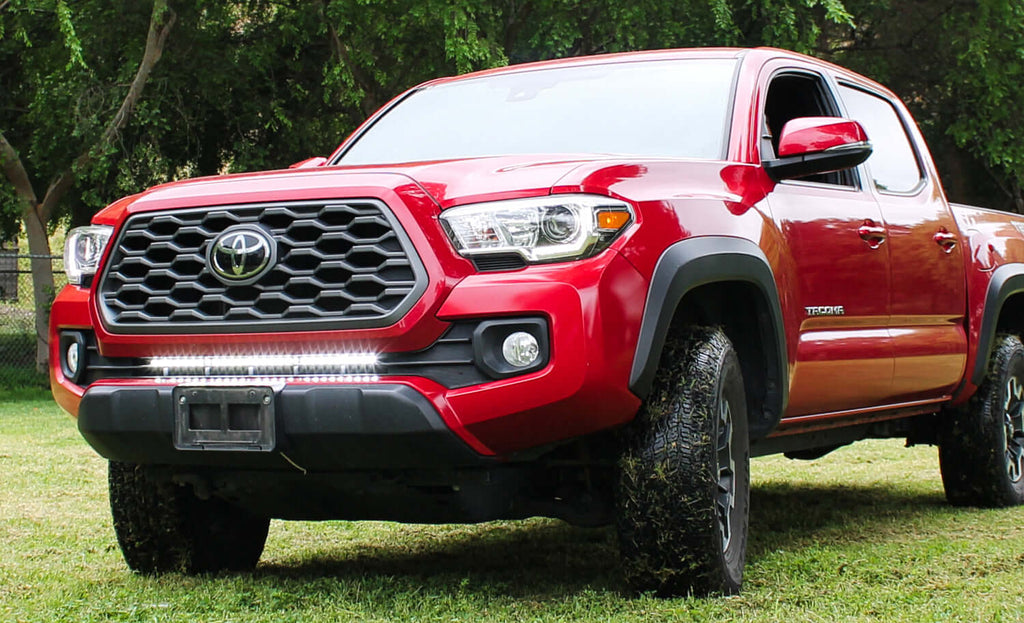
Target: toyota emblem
<point>241,255</point>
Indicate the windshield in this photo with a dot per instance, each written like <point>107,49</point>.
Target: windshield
<point>657,108</point>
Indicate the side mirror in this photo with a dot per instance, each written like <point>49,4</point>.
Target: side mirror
<point>309,163</point>
<point>812,145</point>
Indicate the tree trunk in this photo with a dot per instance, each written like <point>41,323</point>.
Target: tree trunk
<point>42,283</point>
<point>38,245</point>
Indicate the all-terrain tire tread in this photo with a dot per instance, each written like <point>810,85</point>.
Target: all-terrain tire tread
<point>972,438</point>
<point>162,527</point>
<point>668,532</point>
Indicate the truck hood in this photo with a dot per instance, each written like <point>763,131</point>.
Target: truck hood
<point>457,182</point>
<point>446,183</point>
<point>435,186</point>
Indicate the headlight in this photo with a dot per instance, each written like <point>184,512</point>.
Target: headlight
<point>83,250</point>
<point>540,229</point>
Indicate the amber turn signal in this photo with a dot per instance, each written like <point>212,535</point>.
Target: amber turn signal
<point>612,220</point>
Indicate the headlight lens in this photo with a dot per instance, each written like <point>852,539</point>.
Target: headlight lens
<point>540,229</point>
<point>83,250</point>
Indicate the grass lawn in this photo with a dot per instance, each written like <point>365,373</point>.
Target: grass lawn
<point>862,534</point>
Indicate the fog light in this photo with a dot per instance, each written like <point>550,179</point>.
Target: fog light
<point>520,349</point>
<point>74,355</point>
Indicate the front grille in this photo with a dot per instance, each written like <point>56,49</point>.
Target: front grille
<point>340,264</point>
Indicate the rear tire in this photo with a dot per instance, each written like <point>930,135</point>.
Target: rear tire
<point>163,527</point>
<point>684,484</point>
<point>981,443</point>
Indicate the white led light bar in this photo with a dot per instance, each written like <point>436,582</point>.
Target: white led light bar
<point>275,382</point>
<point>288,365</point>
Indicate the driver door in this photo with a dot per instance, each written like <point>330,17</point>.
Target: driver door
<point>838,279</point>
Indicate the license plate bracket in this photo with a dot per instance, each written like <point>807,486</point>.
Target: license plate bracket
<point>224,418</point>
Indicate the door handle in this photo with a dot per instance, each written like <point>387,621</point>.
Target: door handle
<point>945,239</point>
<point>872,233</point>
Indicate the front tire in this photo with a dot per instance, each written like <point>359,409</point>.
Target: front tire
<point>981,444</point>
<point>684,484</point>
<point>163,527</point>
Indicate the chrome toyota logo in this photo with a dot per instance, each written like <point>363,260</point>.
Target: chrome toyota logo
<point>241,255</point>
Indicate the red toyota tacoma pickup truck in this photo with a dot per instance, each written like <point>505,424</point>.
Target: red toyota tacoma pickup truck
<point>588,289</point>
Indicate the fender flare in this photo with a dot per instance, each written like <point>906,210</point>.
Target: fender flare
<point>1007,280</point>
<point>700,261</point>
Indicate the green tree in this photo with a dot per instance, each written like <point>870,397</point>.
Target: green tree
<point>986,88</point>
<point>71,116</point>
<point>959,66</point>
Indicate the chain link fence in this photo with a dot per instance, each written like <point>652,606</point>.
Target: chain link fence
<point>17,318</point>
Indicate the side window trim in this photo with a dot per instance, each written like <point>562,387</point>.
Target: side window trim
<point>922,181</point>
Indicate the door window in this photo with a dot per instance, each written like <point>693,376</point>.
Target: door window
<point>791,96</point>
<point>893,163</point>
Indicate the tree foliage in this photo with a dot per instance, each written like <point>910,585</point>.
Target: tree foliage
<point>253,84</point>
<point>987,88</point>
<point>261,83</point>
<point>959,66</point>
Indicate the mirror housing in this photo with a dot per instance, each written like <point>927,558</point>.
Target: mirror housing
<point>309,163</point>
<point>813,145</point>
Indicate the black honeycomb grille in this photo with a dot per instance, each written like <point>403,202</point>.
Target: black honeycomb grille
<point>342,264</point>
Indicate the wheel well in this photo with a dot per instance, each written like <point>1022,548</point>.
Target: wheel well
<point>740,309</point>
<point>719,281</point>
<point>1004,303</point>
<point>1011,316</point>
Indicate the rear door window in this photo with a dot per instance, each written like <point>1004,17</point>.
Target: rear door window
<point>894,164</point>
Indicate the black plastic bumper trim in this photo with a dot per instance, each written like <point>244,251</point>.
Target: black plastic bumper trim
<point>449,361</point>
<point>318,429</point>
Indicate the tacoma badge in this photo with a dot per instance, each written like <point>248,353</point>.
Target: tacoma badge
<point>825,310</point>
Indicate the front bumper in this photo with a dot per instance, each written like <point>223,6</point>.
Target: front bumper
<point>592,309</point>
<point>317,428</point>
